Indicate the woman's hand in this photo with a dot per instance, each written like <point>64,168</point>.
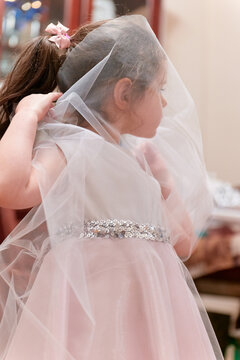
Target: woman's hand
<point>38,104</point>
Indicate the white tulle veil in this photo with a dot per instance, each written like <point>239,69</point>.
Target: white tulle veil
<point>85,160</point>
<point>127,47</point>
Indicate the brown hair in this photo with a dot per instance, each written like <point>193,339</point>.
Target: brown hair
<point>35,71</point>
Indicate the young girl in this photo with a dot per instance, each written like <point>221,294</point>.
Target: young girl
<point>117,180</point>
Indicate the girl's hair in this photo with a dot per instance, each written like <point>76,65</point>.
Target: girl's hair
<point>35,71</point>
<point>136,55</point>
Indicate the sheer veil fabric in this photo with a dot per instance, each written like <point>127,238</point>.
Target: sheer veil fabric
<point>67,295</point>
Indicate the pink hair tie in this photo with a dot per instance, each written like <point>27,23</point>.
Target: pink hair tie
<point>60,38</point>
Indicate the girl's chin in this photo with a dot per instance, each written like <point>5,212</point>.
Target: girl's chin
<point>147,133</point>
<point>151,133</point>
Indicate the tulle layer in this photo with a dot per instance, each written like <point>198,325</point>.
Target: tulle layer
<point>111,299</point>
<point>67,298</point>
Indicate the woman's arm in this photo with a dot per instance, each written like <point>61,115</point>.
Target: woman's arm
<point>18,181</point>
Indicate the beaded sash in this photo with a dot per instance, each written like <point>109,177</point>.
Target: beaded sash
<point>113,228</point>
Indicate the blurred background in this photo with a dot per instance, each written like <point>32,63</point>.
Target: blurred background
<point>202,38</point>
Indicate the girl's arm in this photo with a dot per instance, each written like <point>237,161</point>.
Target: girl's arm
<point>18,181</point>
<point>179,221</point>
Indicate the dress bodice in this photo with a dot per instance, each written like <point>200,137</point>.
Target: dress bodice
<point>118,188</point>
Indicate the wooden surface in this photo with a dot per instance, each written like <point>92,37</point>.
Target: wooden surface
<point>218,250</point>
<point>215,263</point>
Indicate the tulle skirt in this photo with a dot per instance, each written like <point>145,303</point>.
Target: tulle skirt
<point>107,299</point>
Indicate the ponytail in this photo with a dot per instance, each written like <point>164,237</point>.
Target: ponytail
<point>35,71</point>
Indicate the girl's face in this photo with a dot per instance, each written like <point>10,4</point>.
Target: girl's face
<point>146,113</point>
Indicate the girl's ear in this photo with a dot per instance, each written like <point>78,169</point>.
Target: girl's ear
<point>122,93</point>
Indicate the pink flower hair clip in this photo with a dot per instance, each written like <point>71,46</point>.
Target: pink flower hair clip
<point>60,38</point>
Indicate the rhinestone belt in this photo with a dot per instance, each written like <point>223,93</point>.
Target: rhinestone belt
<point>115,229</point>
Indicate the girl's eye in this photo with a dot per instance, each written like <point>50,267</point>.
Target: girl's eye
<point>161,90</point>
<point>162,86</point>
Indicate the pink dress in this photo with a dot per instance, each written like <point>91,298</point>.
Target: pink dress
<point>102,280</point>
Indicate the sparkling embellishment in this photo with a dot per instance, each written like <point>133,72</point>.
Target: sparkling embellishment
<point>113,228</point>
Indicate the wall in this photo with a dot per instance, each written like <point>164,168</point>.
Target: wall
<point>202,38</point>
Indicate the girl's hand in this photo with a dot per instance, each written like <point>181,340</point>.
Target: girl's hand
<point>158,167</point>
<point>39,104</point>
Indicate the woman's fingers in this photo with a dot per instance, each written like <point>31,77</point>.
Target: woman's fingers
<point>48,99</point>
<point>54,96</point>
<point>38,103</point>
